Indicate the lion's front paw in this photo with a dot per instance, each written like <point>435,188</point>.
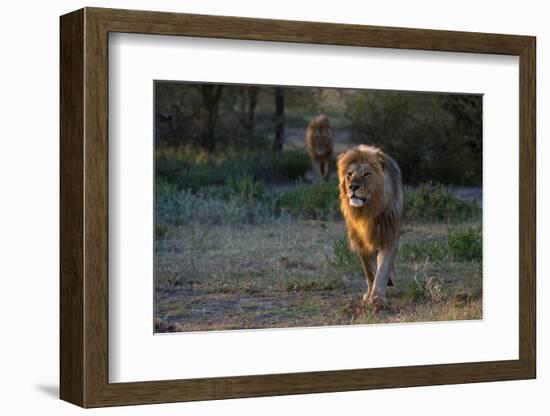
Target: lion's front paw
<point>366,296</point>
<point>378,302</point>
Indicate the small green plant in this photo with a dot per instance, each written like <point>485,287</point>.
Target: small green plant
<point>418,291</point>
<point>466,244</point>
<point>431,202</point>
<point>344,258</point>
<point>311,202</point>
<point>245,189</point>
<point>160,230</point>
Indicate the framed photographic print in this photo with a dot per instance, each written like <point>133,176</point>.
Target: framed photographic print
<point>255,207</point>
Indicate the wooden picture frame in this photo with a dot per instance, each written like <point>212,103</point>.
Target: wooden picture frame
<point>84,207</point>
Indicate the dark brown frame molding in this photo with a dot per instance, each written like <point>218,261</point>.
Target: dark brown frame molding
<point>84,209</point>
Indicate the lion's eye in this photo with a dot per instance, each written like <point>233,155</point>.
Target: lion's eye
<point>366,175</point>
<point>349,174</point>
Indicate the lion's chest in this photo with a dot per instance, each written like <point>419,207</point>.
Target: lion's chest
<point>362,235</point>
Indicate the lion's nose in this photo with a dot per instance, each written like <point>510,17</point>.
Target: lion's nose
<point>354,187</point>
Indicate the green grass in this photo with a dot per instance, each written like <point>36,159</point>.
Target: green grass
<point>344,259</point>
<point>245,190</point>
<point>431,202</point>
<point>465,244</point>
<point>461,244</point>
<point>242,200</point>
<point>315,202</point>
<point>191,168</point>
<point>421,250</point>
<point>230,186</point>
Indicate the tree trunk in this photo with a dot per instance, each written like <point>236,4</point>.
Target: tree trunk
<point>208,141</point>
<point>210,98</point>
<point>279,119</point>
<point>252,103</point>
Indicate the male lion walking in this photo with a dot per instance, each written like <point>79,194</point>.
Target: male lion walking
<point>319,146</point>
<point>371,198</point>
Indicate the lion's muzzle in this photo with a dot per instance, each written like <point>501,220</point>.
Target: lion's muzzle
<point>356,201</point>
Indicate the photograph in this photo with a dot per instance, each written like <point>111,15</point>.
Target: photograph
<point>304,206</point>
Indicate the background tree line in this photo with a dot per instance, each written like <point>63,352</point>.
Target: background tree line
<point>434,137</point>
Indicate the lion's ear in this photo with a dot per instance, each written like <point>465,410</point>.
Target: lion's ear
<point>340,158</point>
<point>381,157</point>
<point>341,155</point>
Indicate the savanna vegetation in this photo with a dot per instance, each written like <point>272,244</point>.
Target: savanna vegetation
<point>244,239</point>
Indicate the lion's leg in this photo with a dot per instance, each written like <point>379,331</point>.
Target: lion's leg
<point>317,170</point>
<point>386,258</point>
<point>369,269</point>
<point>326,170</point>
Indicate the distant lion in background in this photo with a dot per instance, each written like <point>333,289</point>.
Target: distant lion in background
<point>371,199</point>
<point>319,146</point>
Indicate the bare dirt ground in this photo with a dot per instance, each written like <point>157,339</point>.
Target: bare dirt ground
<point>288,274</point>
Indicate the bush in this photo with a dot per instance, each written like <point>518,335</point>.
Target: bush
<point>466,244</point>
<point>189,167</point>
<point>312,202</point>
<point>431,136</point>
<point>426,289</point>
<point>179,207</point>
<point>431,202</point>
<point>291,164</point>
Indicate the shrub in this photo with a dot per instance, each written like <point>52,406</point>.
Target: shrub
<point>466,244</point>
<point>291,164</point>
<point>178,207</point>
<point>428,289</point>
<point>316,202</point>
<point>436,136</point>
<point>431,202</point>
<point>190,167</point>
<point>418,291</point>
<point>425,288</point>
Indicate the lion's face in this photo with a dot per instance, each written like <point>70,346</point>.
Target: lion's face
<point>360,183</point>
<point>321,140</point>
